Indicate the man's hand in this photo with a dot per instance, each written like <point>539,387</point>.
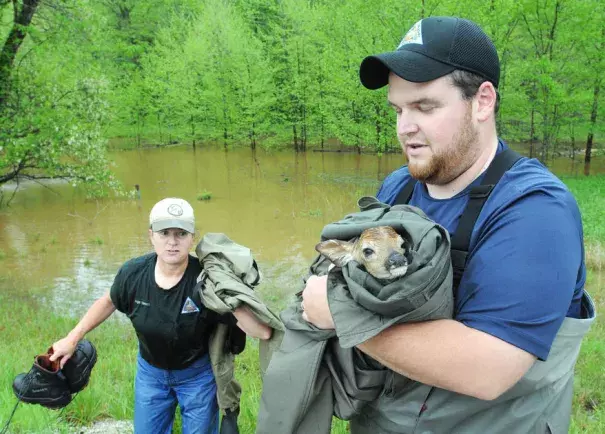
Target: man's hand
<point>315,303</point>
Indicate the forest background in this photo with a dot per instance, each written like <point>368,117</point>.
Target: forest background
<point>80,77</point>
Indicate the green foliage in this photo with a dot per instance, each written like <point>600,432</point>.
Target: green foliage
<point>272,73</point>
<point>53,113</point>
<point>268,73</point>
<point>205,195</point>
<point>97,240</point>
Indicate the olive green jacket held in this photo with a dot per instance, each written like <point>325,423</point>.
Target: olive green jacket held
<point>318,373</point>
<point>229,275</point>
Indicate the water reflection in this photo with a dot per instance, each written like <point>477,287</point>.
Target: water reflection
<point>67,249</point>
<point>86,280</point>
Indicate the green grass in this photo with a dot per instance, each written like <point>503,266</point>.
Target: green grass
<point>27,330</point>
<point>589,399</point>
<point>97,240</point>
<point>590,194</point>
<point>312,213</point>
<point>205,195</point>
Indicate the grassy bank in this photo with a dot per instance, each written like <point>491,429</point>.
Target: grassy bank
<point>589,397</point>
<point>28,329</point>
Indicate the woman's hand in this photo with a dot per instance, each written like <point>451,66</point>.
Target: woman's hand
<point>63,349</point>
<point>97,313</point>
<point>250,325</point>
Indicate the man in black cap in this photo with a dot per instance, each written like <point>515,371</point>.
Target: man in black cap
<point>505,362</point>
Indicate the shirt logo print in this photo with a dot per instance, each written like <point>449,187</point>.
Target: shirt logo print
<point>189,306</point>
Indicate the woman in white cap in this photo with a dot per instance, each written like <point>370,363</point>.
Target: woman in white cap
<point>156,291</point>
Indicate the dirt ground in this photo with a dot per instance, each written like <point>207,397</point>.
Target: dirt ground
<point>108,427</point>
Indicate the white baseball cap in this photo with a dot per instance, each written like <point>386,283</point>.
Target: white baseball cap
<point>172,212</point>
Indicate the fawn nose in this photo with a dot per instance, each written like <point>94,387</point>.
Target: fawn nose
<point>396,260</point>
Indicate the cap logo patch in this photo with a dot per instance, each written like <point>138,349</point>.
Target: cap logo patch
<point>175,210</point>
<point>413,36</point>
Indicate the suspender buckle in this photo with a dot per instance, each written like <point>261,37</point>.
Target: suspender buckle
<point>481,191</point>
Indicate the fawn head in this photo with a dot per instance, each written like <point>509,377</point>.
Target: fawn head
<point>381,250</point>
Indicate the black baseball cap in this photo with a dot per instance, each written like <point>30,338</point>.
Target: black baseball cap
<point>432,48</point>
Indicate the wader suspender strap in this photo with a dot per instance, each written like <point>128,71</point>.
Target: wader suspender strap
<point>478,196</point>
<point>405,194</point>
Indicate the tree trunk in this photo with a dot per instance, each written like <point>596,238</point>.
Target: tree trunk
<point>323,132</point>
<point>377,124</point>
<point>303,130</point>
<point>531,133</point>
<point>139,128</point>
<point>18,32</point>
<point>295,137</point>
<point>160,128</point>
<point>193,131</point>
<point>322,118</point>
<point>593,122</point>
<point>253,136</point>
<point>572,136</point>
<point>225,131</point>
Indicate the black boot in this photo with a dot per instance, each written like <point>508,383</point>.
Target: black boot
<point>44,384</point>
<point>229,422</point>
<point>77,369</point>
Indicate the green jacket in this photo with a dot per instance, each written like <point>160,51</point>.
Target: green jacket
<point>230,274</point>
<point>318,373</point>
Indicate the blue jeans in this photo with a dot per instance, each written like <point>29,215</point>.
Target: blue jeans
<point>157,391</point>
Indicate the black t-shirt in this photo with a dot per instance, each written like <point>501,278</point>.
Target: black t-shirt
<point>172,325</point>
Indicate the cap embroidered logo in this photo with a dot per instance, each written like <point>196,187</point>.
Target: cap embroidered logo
<point>413,36</point>
<point>175,210</point>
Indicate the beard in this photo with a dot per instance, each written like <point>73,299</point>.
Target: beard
<point>446,165</point>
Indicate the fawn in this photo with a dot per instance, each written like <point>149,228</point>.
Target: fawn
<point>381,250</point>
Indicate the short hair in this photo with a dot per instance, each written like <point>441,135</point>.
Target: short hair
<point>469,84</point>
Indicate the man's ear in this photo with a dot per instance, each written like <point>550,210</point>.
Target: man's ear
<point>337,251</point>
<point>485,101</point>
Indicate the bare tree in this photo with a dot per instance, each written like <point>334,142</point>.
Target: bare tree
<point>23,13</point>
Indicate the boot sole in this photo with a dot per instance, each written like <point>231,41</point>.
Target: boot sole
<point>59,402</point>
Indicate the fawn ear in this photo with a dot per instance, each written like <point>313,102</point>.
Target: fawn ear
<point>337,251</point>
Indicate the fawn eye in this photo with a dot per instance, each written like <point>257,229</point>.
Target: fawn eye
<point>368,252</point>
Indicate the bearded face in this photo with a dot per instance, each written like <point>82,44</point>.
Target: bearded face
<point>446,163</point>
<point>435,129</point>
